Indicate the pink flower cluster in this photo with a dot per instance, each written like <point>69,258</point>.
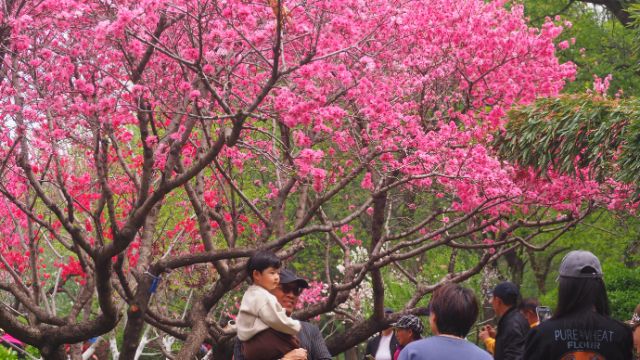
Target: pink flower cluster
<point>317,292</point>
<point>388,91</point>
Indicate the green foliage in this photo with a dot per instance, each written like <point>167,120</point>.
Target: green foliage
<point>573,132</point>
<point>608,236</point>
<point>7,354</point>
<point>602,45</point>
<point>634,10</point>
<point>622,284</point>
<point>549,299</point>
<point>622,287</point>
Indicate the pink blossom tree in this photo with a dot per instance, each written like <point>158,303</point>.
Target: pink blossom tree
<point>151,144</point>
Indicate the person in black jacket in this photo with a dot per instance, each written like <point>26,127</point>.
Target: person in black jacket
<point>387,338</point>
<point>512,326</point>
<point>581,327</point>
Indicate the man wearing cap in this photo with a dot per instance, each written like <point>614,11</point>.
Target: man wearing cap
<point>384,345</point>
<point>311,340</point>
<point>512,326</point>
<point>527,309</point>
<point>581,327</point>
<point>408,328</point>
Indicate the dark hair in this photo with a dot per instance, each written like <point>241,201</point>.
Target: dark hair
<point>456,309</point>
<point>529,304</point>
<point>262,260</point>
<point>508,293</point>
<point>581,294</point>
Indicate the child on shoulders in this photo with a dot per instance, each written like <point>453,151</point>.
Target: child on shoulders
<point>263,326</point>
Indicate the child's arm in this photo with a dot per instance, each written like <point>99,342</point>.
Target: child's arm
<point>276,318</point>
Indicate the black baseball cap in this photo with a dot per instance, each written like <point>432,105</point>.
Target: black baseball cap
<point>287,276</point>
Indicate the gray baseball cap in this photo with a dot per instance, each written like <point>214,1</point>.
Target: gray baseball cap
<point>580,264</point>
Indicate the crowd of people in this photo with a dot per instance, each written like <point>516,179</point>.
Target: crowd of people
<point>581,327</point>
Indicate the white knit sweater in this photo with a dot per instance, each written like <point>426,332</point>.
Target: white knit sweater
<point>260,310</point>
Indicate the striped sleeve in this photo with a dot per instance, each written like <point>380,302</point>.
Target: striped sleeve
<point>312,340</point>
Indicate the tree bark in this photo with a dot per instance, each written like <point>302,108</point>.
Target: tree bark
<point>541,267</point>
<point>52,352</point>
<point>516,266</point>
<point>616,7</point>
<point>631,254</point>
<point>198,332</point>
<point>351,354</point>
<point>140,303</point>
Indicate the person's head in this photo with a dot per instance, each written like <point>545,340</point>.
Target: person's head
<point>528,310</point>
<point>389,330</point>
<point>580,285</point>
<point>289,289</point>
<point>634,323</point>
<point>454,309</point>
<point>263,268</point>
<point>408,328</point>
<point>505,296</point>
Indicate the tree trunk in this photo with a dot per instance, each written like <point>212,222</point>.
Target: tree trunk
<point>351,354</point>
<point>197,336</point>
<point>541,267</point>
<point>135,319</point>
<point>137,309</point>
<point>516,266</point>
<point>75,351</point>
<point>490,278</point>
<point>617,7</point>
<point>631,254</point>
<point>51,352</point>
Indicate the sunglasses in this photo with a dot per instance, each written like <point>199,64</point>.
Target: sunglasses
<point>291,288</point>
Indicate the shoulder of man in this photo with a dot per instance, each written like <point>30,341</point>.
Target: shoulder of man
<point>515,318</point>
<point>427,342</point>
<point>312,340</point>
<point>371,343</point>
<point>374,338</point>
<point>428,347</point>
<point>308,329</point>
<point>524,322</point>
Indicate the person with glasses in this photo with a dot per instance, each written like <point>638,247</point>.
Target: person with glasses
<point>312,343</point>
<point>263,326</point>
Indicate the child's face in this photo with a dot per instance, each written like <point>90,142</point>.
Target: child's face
<point>269,278</point>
